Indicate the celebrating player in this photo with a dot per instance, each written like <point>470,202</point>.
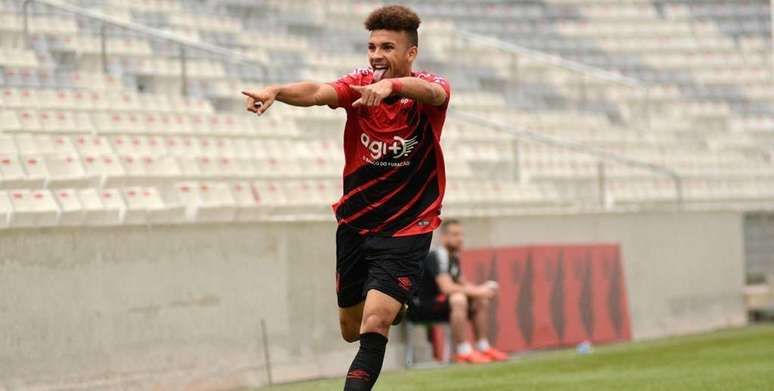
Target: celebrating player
<point>393,181</point>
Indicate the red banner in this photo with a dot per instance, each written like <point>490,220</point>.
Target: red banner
<point>552,296</point>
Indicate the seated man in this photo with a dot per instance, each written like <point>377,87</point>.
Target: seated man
<point>445,296</point>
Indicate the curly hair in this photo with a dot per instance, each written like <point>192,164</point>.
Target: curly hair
<point>395,18</point>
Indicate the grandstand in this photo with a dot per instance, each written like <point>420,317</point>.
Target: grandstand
<point>669,103</point>
<point>128,113</point>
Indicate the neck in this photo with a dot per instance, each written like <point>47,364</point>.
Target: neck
<point>407,73</point>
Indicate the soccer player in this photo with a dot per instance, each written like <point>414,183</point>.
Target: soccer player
<point>393,181</point>
<point>445,296</point>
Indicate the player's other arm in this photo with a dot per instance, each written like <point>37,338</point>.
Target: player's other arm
<point>447,285</point>
<point>414,88</point>
<point>304,94</point>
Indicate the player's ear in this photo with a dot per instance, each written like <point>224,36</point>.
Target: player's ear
<point>411,53</point>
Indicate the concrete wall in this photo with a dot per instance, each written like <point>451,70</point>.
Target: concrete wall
<point>684,271</point>
<point>140,307</point>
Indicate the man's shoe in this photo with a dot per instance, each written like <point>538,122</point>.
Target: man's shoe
<point>400,316</point>
<point>495,354</point>
<point>473,357</point>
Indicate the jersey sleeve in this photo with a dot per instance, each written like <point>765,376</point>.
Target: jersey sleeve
<point>345,95</point>
<point>444,84</point>
<point>437,262</point>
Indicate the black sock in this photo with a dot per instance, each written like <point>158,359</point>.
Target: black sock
<point>367,365</point>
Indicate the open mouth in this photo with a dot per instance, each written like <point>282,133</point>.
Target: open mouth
<point>379,71</point>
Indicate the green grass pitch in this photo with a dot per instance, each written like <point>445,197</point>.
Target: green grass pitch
<point>738,359</point>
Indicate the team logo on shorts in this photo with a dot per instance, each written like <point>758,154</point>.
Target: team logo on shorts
<point>358,374</point>
<point>404,283</point>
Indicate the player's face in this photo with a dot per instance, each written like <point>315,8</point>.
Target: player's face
<point>390,54</point>
<point>453,237</point>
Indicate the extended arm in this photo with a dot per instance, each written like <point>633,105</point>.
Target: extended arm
<point>447,285</point>
<point>305,93</point>
<point>415,88</point>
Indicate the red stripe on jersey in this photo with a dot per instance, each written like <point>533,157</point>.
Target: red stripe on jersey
<point>408,204</point>
<point>365,186</point>
<point>388,196</point>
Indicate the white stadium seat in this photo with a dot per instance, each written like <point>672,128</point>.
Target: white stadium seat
<point>71,211</point>
<point>270,195</point>
<point>96,212</point>
<point>248,208</point>
<point>207,201</point>
<point>33,208</point>
<point>12,174</point>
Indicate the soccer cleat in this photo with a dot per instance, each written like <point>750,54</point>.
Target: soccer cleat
<point>401,314</point>
<point>495,354</point>
<point>473,357</point>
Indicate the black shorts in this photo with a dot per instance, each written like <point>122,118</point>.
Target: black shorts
<point>433,310</point>
<point>391,265</point>
<point>429,310</point>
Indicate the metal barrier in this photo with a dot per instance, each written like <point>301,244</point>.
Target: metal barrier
<point>584,72</point>
<point>109,21</point>
<point>604,157</point>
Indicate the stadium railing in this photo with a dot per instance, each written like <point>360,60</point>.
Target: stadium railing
<point>583,72</point>
<point>185,44</point>
<point>604,157</point>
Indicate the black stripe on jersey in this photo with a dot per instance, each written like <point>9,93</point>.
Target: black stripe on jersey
<point>410,179</point>
<point>429,195</point>
<point>393,176</point>
<point>400,200</point>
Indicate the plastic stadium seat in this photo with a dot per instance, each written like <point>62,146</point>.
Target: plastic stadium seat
<point>29,121</point>
<point>246,203</point>
<point>33,208</point>
<point>8,145</point>
<point>210,167</point>
<point>36,168</point>
<point>138,145</point>
<point>12,172</point>
<point>106,167</point>
<point>92,145</point>
<point>71,212</point>
<point>189,166</point>
<point>269,195</point>
<point>144,168</point>
<point>113,204</point>
<point>66,171</point>
<point>156,210</point>
<point>62,121</point>
<point>9,121</point>
<point>30,144</point>
<point>136,206</point>
<point>20,77</point>
<point>299,194</point>
<point>180,146</point>
<point>207,201</point>
<point>94,212</point>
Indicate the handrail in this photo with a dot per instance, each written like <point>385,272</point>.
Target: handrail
<point>107,20</point>
<point>551,59</point>
<point>522,133</point>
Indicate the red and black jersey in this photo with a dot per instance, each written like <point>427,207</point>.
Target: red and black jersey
<point>394,176</point>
